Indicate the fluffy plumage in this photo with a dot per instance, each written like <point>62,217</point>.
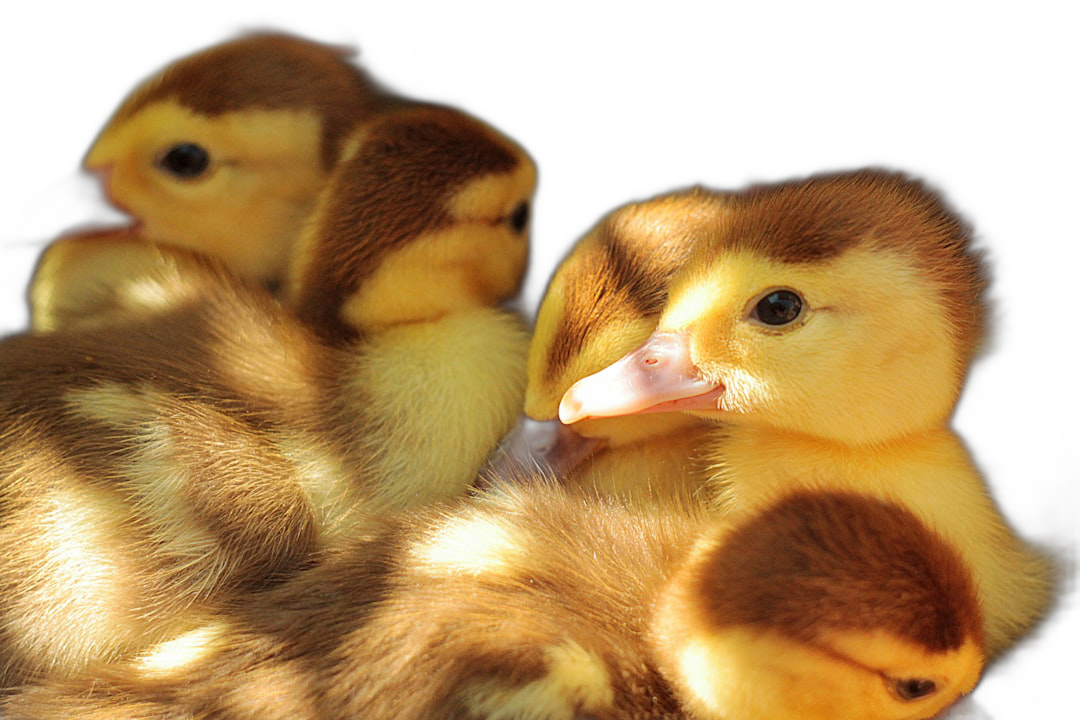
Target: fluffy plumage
<point>542,601</point>
<point>828,324</point>
<point>198,438</point>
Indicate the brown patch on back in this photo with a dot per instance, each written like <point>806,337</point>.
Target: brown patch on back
<point>395,187</point>
<point>268,71</point>
<point>624,266</point>
<point>825,561</point>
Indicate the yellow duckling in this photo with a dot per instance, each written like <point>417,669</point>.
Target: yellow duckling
<point>150,467</point>
<point>551,602</point>
<point>829,324</point>
<point>602,302</point>
<point>225,151</point>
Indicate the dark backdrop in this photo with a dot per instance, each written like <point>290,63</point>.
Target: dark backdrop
<point>613,112</point>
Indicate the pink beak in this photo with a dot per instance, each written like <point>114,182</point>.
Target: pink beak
<point>657,377</point>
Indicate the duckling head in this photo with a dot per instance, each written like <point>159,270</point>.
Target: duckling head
<point>845,306</point>
<point>225,150</point>
<point>426,214</point>
<point>605,299</point>
<point>826,605</point>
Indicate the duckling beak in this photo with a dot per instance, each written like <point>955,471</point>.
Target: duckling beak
<point>657,377</point>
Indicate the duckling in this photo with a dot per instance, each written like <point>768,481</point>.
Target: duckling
<point>543,601</point>
<point>226,150</point>
<point>828,324</point>
<point>603,301</point>
<point>216,441</point>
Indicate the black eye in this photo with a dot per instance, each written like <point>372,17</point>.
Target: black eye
<point>914,688</point>
<point>185,160</point>
<point>520,217</point>
<point>779,307</point>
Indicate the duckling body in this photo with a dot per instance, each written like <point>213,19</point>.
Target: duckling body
<point>640,611</point>
<point>206,439</point>
<point>828,324</point>
<point>251,129</point>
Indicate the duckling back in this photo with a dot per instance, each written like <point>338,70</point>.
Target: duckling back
<point>156,449</point>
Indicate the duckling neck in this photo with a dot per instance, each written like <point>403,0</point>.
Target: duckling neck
<point>755,466</point>
<point>647,468</point>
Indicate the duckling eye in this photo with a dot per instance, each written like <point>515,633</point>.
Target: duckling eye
<point>779,307</point>
<point>185,160</point>
<point>914,688</point>
<point>520,217</point>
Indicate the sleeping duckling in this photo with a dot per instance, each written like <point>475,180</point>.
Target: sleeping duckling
<point>829,325</point>
<point>151,467</point>
<point>602,302</point>
<point>225,151</point>
<point>824,606</point>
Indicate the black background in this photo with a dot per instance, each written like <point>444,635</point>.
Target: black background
<point>617,111</point>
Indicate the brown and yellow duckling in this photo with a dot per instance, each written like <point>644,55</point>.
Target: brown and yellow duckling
<point>828,324</point>
<point>215,440</point>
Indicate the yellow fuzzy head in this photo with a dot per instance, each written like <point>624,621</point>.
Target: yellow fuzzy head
<point>428,213</point>
<point>224,151</point>
<point>605,299</point>
<point>826,605</point>
<point>845,306</point>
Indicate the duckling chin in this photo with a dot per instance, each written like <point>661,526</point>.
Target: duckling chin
<point>225,151</point>
<point>829,324</point>
<point>826,605</point>
<point>200,439</point>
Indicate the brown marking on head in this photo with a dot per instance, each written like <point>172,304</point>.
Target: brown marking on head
<point>267,71</point>
<point>394,188</point>
<point>821,217</point>
<point>624,266</point>
<point>819,562</point>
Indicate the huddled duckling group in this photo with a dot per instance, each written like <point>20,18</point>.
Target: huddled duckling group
<point>248,455</point>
